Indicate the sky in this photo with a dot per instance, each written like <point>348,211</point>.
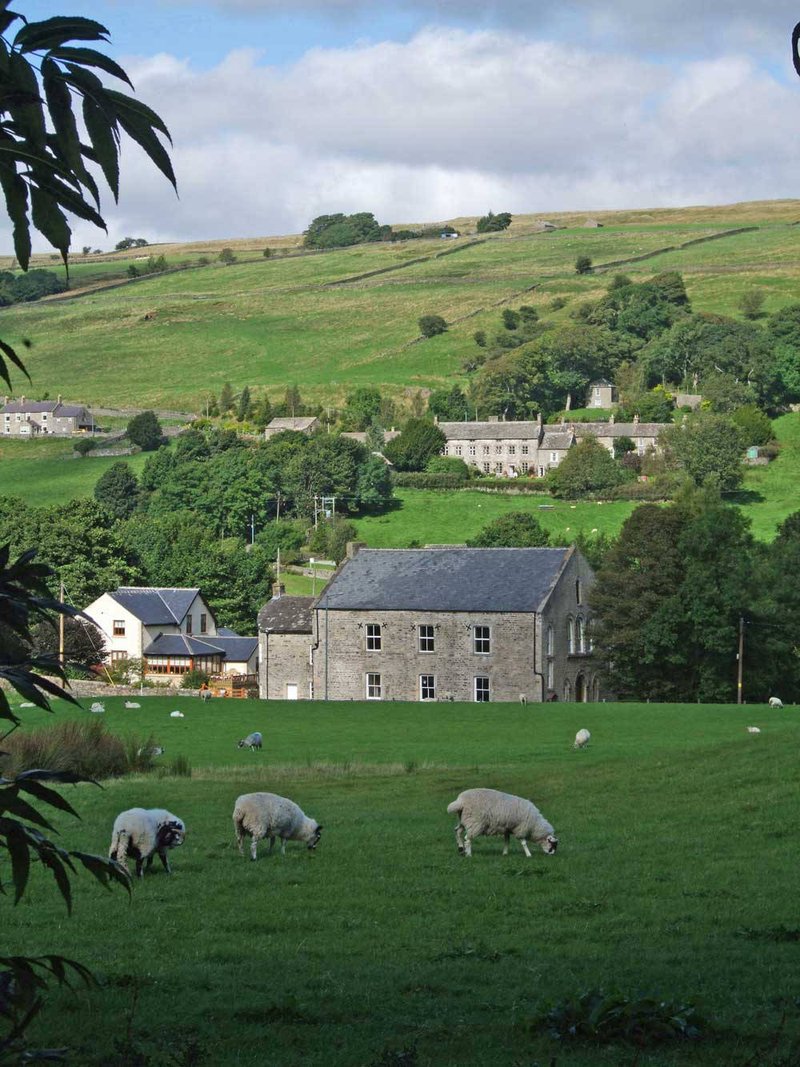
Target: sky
<point>425,110</point>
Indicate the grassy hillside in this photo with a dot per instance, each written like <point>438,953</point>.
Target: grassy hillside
<point>314,320</point>
<point>385,946</point>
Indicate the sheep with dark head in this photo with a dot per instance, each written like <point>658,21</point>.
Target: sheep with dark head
<point>142,833</point>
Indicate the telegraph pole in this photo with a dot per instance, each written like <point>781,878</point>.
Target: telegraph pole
<point>61,635</point>
<point>740,659</point>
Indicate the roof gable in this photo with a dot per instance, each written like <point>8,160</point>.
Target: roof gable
<point>156,607</point>
<point>448,579</point>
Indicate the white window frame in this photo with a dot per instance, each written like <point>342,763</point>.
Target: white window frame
<point>373,637</point>
<point>427,638</point>
<point>481,639</point>
<point>481,689</point>
<point>427,687</point>
<point>570,635</point>
<point>373,688</point>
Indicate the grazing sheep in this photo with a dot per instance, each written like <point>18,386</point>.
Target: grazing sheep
<point>177,715</point>
<point>132,704</point>
<point>141,833</point>
<point>753,730</point>
<point>260,815</point>
<point>150,750</point>
<point>252,741</point>
<point>775,702</point>
<point>582,739</point>
<point>97,708</point>
<point>488,812</point>
<point>205,694</point>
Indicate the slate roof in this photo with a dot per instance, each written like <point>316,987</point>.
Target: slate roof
<point>235,649</point>
<point>298,424</point>
<point>287,615</point>
<point>490,431</point>
<point>455,579</point>
<point>37,407</point>
<point>180,645</point>
<point>155,607</point>
<point>557,441</point>
<point>620,429</point>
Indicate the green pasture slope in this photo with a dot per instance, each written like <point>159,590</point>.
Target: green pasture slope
<point>49,472</point>
<point>675,875</point>
<point>344,318</point>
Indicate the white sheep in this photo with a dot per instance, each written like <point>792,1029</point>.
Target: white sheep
<point>582,739</point>
<point>150,750</point>
<point>132,704</point>
<point>260,815</point>
<point>97,708</point>
<point>252,741</point>
<point>775,702</point>
<point>488,812</point>
<point>753,730</point>
<point>177,715</point>
<point>141,833</point>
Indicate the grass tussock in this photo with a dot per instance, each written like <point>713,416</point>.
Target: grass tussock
<point>82,747</point>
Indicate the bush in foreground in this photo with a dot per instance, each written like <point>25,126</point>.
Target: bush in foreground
<point>85,748</point>
<point>603,1018</point>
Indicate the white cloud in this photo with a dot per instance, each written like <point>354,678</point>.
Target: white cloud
<point>449,124</point>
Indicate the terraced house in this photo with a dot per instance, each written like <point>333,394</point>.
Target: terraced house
<point>30,418</point>
<point>466,624</point>
<point>517,449</point>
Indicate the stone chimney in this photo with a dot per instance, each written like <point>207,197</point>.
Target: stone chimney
<point>635,420</point>
<point>353,548</point>
<point>22,400</point>
<point>612,419</point>
<point>539,419</point>
<point>278,590</point>
<point>58,398</point>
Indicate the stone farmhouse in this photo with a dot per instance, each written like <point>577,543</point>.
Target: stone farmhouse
<point>514,449</point>
<point>300,424</point>
<point>173,631</point>
<point>466,624</point>
<point>29,418</point>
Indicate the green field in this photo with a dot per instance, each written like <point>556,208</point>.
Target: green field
<point>315,321</point>
<point>675,876</point>
<point>49,472</point>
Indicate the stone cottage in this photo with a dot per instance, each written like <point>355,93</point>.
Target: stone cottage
<point>465,624</point>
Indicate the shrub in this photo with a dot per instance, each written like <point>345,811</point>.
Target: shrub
<point>431,325</point>
<point>84,446</point>
<point>194,679</point>
<point>448,465</point>
<point>144,430</point>
<point>662,487</point>
<point>179,767</point>
<point>83,747</point>
<point>586,468</point>
<point>125,671</point>
<point>583,265</point>
<point>755,425</point>
<point>604,1018</point>
<point>557,303</point>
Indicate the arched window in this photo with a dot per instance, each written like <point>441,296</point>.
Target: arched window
<point>551,674</point>
<point>549,644</point>
<point>581,634</point>
<point>578,591</point>
<point>580,689</point>
<point>568,690</point>
<point>596,689</point>
<point>570,635</point>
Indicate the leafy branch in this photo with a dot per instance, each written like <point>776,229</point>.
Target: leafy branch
<point>45,165</point>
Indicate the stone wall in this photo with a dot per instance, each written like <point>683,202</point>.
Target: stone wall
<point>284,661</point>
